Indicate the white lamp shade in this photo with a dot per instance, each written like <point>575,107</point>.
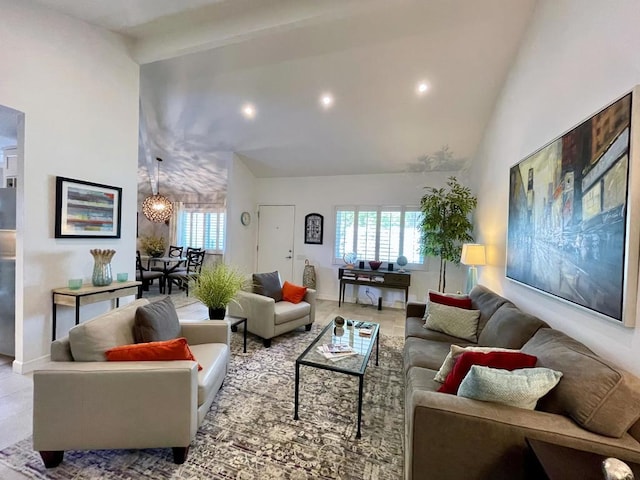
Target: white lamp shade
<point>473,254</point>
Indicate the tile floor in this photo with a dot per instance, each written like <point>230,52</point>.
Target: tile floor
<point>16,391</point>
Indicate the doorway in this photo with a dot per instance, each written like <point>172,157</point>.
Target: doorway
<point>275,239</point>
<point>10,158</point>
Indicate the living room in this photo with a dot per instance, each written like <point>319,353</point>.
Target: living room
<point>574,58</point>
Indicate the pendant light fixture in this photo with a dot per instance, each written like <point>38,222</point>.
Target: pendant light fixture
<point>157,208</point>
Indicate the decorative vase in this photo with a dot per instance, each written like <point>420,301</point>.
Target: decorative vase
<point>217,313</point>
<point>102,275</point>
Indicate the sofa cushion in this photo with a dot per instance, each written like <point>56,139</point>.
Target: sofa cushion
<point>487,302</point>
<point>89,340</point>
<point>455,351</point>
<point>286,311</point>
<point>174,349</point>
<point>454,321</point>
<point>268,284</point>
<point>214,358</point>
<point>518,388</point>
<point>156,322</point>
<point>424,353</point>
<point>598,395</point>
<point>502,360</point>
<point>509,327</point>
<point>293,293</point>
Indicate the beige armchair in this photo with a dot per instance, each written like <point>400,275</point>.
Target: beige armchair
<point>86,403</point>
<point>268,318</point>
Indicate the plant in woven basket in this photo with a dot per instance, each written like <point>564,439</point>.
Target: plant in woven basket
<point>153,245</point>
<point>217,286</point>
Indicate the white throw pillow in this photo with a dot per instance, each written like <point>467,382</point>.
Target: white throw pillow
<point>454,321</point>
<point>519,388</point>
<point>455,351</point>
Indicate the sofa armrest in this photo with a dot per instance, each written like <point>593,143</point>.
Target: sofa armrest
<point>415,309</point>
<point>205,331</point>
<point>259,310</point>
<point>98,405</point>
<point>487,440</point>
<point>310,298</point>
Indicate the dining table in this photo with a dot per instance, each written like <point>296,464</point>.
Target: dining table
<point>169,264</point>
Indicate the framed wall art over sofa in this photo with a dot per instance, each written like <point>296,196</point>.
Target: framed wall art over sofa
<point>574,212</point>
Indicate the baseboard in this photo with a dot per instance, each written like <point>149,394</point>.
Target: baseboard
<point>27,367</point>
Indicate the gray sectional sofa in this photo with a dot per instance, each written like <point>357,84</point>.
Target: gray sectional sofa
<point>595,407</point>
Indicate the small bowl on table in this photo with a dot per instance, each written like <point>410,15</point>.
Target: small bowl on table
<point>374,264</point>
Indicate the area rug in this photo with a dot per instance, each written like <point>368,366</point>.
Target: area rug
<point>249,433</point>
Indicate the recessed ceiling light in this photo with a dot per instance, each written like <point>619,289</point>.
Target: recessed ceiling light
<point>249,111</point>
<point>422,88</point>
<point>326,100</point>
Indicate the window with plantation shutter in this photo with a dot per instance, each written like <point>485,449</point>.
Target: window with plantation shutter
<point>199,229</point>
<point>378,233</point>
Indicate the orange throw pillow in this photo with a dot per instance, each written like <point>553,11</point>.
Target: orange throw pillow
<point>293,293</point>
<point>174,349</point>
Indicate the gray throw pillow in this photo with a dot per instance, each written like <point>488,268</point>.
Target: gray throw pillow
<point>268,284</point>
<point>156,322</point>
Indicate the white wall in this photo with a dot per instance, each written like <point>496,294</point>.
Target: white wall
<point>578,56</point>
<point>241,197</point>
<point>323,194</point>
<point>78,88</point>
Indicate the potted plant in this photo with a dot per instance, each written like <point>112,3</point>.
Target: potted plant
<point>153,246</point>
<point>445,223</point>
<point>217,286</point>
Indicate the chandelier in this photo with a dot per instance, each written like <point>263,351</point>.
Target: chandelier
<point>157,208</point>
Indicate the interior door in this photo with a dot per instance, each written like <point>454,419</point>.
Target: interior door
<point>275,239</point>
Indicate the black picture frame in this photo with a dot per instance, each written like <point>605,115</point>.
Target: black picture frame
<point>313,228</point>
<point>87,209</point>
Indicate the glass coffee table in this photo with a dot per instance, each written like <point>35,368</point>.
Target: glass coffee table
<point>354,365</point>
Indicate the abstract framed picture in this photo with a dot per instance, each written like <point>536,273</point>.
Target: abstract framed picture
<point>313,225</point>
<point>573,215</point>
<point>87,209</point>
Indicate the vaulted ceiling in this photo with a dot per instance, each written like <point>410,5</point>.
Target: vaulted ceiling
<point>204,60</point>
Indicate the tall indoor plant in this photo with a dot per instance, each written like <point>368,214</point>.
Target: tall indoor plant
<point>445,223</point>
<point>217,286</point>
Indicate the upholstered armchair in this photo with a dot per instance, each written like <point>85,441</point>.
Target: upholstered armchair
<point>268,314</point>
<point>82,401</point>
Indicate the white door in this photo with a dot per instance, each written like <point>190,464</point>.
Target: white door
<point>275,240</point>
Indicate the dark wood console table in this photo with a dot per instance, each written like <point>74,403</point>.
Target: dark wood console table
<point>373,278</point>
<point>564,463</point>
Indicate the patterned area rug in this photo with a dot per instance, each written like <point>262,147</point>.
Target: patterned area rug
<point>249,433</point>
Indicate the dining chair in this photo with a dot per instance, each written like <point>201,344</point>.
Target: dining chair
<point>174,252</point>
<point>147,276</point>
<point>195,259</point>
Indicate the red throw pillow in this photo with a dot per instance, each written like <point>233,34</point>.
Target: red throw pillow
<point>503,360</point>
<point>450,301</point>
<point>174,349</point>
<point>293,293</point>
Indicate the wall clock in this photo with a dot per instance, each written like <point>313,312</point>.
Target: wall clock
<point>245,218</point>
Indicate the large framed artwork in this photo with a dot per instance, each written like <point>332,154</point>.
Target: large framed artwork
<point>573,215</point>
<point>87,210</point>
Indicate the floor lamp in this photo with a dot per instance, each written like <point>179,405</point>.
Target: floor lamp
<point>473,255</point>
